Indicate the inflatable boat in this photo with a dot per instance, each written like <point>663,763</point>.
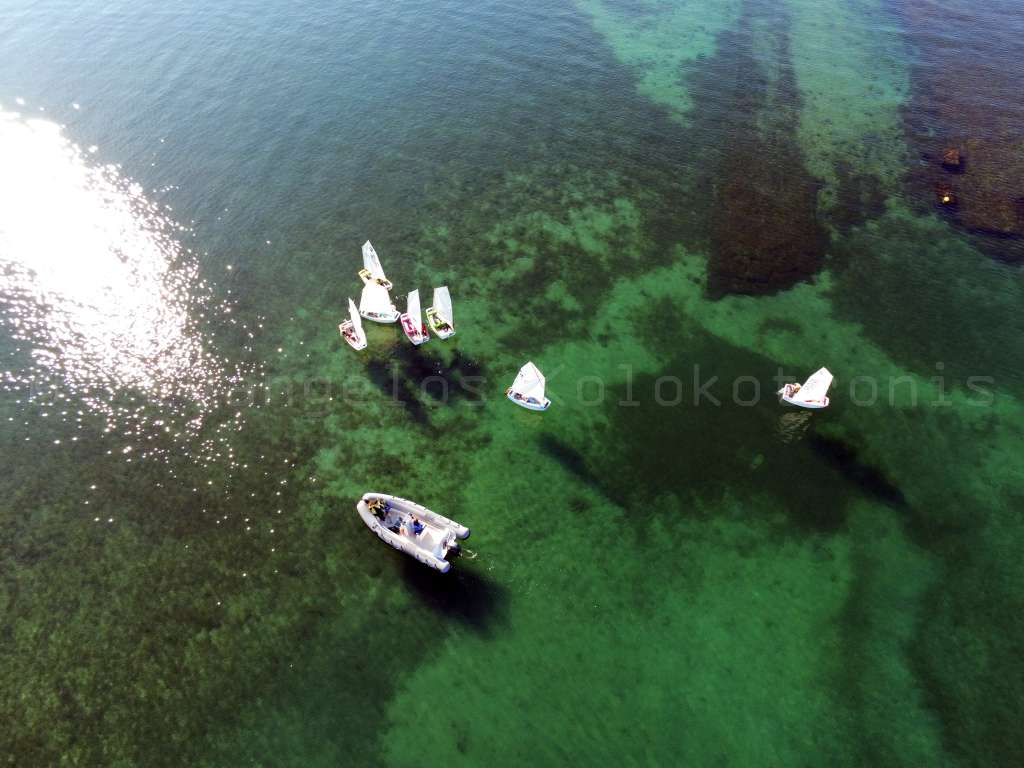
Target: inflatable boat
<point>412,528</point>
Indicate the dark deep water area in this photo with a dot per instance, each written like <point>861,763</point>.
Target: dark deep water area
<point>670,206</point>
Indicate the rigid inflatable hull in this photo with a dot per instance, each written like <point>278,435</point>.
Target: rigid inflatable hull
<point>433,520</point>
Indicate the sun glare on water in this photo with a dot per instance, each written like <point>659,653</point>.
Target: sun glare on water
<point>96,293</point>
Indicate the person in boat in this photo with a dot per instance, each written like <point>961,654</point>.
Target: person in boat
<point>377,507</point>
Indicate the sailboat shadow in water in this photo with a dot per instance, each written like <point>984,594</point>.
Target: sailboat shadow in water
<point>843,457</point>
<point>420,382</point>
<point>463,594</point>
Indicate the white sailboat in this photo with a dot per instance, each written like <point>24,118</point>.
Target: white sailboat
<point>813,393</point>
<point>528,389</point>
<point>439,316</point>
<point>375,304</point>
<point>412,320</point>
<point>372,271</point>
<point>412,528</point>
<point>352,329</point>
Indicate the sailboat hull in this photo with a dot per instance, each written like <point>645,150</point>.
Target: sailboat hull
<point>380,317</point>
<point>529,404</point>
<point>348,333</point>
<point>416,335</point>
<point>788,395</point>
<point>815,406</point>
<point>440,328</point>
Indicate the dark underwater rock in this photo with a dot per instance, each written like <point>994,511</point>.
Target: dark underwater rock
<point>764,230</point>
<point>992,188</point>
<point>765,233</point>
<point>966,117</point>
<point>952,159</point>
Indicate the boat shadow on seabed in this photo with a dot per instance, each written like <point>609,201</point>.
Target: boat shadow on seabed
<point>463,594</point>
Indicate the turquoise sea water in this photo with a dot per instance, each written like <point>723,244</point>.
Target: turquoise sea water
<point>664,205</point>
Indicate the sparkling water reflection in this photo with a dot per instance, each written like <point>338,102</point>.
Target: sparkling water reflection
<point>105,305</point>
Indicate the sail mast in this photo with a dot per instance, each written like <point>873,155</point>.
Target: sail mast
<point>443,304</point>
<point>412,307</point>
<point>353,314</point>
<point>372,262</point>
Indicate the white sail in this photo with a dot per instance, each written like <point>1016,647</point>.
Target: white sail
<point>815,388</point>
<point>375,298</point>
<point>412,307</point>
<point>443,304</point>
<point>529,382</point>
<point>372,262</point>
<point>357,321</point>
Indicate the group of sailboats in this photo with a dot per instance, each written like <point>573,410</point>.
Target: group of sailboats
<point>375,304</point>
<point>528,388</point>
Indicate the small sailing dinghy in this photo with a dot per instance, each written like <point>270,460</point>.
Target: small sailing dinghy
<point>528,389</point>
<point>375,304</point>
<point>372,271</point>
<point>412,321</point>
<point>412,528</point>
<point>813,393</point>
<point>439,316</point>
<point>352,329</point>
